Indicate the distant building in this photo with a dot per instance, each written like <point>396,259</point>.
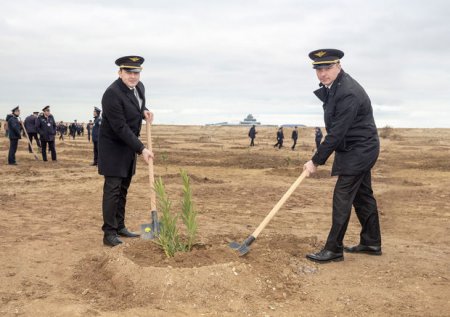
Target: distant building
<point>249,120</point>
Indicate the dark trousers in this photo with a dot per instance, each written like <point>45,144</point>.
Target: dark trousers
<point>51,146</point>
<point>279,143</point>
<point>12,150</point>
<point>89,136</point>
<point>95,152</point>
<point>295,143</point>
<point>252,142</point>
<point>115,192</point>
<point>35,136</point>
<point>356,191</point>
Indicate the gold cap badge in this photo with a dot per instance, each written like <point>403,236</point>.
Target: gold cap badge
<point>320,54</point>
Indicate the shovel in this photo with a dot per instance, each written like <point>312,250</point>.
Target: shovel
<point>29,142</point>
<point>151,230</point>
<point>244,247</point>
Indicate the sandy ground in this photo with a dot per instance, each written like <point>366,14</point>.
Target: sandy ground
<point>53,262</point>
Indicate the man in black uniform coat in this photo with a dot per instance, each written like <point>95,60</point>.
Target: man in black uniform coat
<point>318,137</point>
<point>14,135</point>
<point>252,135</point>
<point>352,135</point>
<point>61,128</point>
<point>280,138</point>
<point>95,129</point>
<point>89,128</point>
<point>46,126</point>
<point>124,108</point>
<point>73,129</point>
<point>294,138</point>
<point>30,126</point>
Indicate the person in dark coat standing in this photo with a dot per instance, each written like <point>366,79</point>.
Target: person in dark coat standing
<point>30,126</point>
<point>61,128</point>
<point>14,135</point>
<point>46,127</point>
<point>73,129</point>
<point>89,129</point>
<point>318,137</point>
<point>280,138</point>
<point>294,138</point>
<point>124,108</point>
<point>252,135</point>
<point>95,129</point>
<point>352,135</point>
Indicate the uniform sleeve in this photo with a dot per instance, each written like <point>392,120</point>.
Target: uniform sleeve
<point>346,111</point>
<point>144,108</point>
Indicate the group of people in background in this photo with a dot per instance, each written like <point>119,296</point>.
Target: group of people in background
<point>280,137</point>
<point>42,128</point>
<point>36,124</point>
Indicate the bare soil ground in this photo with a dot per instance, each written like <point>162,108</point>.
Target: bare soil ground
<point>53,262</point>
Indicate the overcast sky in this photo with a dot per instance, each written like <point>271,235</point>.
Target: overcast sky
<point>212,61</point>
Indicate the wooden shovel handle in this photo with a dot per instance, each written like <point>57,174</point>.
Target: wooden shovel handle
<point>28,139</point>
<point>279,204</point>
<point>151,176</point>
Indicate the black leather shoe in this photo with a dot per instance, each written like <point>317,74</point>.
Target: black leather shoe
<point>325,256</point>
<point>111,240</point>
<point>372,250</point>
<point>125,233</point>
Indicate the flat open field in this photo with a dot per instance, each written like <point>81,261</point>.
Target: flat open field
<point>53,262</point>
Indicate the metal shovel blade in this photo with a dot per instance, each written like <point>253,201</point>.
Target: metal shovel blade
<point>151,230</point>
<point>243,248</point>
<point>234,245</point>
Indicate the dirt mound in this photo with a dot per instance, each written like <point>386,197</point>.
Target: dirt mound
<point>138,274</point>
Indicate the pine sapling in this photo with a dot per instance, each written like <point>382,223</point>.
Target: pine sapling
<point>189,214</point>
<point>168,237</point>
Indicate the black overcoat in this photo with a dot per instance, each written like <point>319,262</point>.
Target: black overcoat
<point>351,130</point>
<point>46,127</point>
<point>118,141</point>
<point>96,128</point>
<point>252,132</point>
<point>14,128</point>
<point>30,124</point>
<point>280,135</point>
